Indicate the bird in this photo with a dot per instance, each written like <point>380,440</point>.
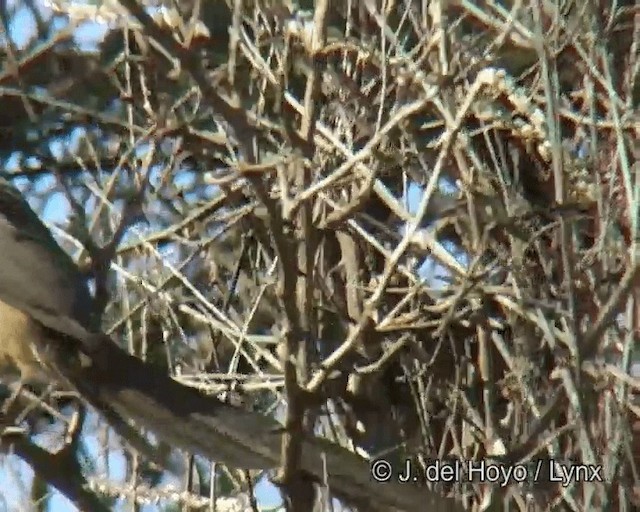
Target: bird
<point>49,334</point>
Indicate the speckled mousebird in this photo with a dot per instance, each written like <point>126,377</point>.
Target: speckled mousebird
<point>48,335</point>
